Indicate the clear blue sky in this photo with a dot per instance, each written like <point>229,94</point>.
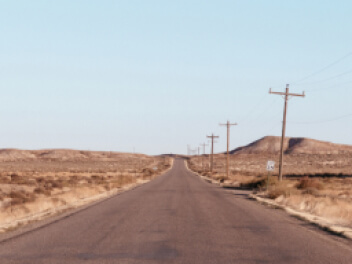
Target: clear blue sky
<point>158,75</point>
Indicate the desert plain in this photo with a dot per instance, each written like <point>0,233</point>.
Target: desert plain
<point>37,184</point>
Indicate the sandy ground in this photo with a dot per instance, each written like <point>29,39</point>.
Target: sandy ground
<point>33,190</point>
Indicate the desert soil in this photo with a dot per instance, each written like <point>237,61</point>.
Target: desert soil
<point>39,183</point>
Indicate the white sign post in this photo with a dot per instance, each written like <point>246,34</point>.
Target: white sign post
<point>270,166</point>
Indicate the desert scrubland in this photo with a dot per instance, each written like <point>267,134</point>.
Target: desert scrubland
<point>317,175</point>
<point>35,184</point>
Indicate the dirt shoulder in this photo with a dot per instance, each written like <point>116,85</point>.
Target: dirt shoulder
<point>322,197</point>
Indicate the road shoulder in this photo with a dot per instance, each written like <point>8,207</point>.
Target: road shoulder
<point>320,222</point>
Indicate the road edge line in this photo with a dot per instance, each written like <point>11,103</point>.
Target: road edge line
<point>204,178</point>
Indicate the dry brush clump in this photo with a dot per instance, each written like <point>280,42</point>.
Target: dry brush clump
<point>20,197</point>
<point>310,183</point>
<point>281,189</point>
<point>122,181</point>
<point>273,187</point>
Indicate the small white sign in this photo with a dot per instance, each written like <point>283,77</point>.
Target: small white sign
<point>270,166</point>
<point>155,168</point>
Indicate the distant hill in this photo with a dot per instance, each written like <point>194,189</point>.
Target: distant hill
<point>271,145</point>
<point>59,154</point>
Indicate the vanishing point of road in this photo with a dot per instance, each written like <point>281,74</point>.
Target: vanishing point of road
<point>176,218</point>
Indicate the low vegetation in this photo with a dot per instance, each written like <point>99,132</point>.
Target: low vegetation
<point>319,184</point>
<point>30,185</point>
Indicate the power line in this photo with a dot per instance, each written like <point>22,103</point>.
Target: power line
<point>260,102</point>
<point>253,122</point>
<point>324,68</point>
<point>327,79</point>
<point>321,121</point>
<point>273,119</point>
<point>340,85</point>
<point>262,113</point>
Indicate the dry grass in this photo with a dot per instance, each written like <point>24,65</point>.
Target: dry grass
<point>308,183</point>
<point>317,184</point>
<point>21,197</point>
<point>23,183</point>
<point>295,165</point>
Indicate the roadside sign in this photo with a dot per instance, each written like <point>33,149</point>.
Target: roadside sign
<point>270,166</point>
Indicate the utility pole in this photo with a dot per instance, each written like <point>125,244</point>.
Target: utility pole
<point>286,94</point>
<point>228,124</point>
<point>212,152</point>
<point>203,145</point>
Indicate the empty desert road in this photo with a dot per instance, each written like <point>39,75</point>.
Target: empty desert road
<point>177,218</point>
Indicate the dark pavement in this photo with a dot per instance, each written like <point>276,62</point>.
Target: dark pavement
<point>177,218</point>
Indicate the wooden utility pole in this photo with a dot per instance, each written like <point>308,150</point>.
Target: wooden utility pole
<point>198,154</point>
<point>203,145</point>
<point>286,94</point>
<point>228,124</point>
<point>212,151</point>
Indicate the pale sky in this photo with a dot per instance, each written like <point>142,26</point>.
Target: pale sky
<point>155,76</point>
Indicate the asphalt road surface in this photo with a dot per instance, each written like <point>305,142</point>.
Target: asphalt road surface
<point>177,218</point>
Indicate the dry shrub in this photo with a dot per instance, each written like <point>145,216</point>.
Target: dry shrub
<point>40,179</point>
<point>311,191</point>
<point>307,183</point>
<point>146,177</point>
<point>89,181</point>
<point>277,192</point>
<point>97,179</point>
<point>148,172</point>
<point>255,183</point>
<point>5,179</point>
<point>14,176</point>
<point>273,181</point>
<point>121,181</point>
<point>42,190</point>
<point>16,179</point>
<point>21,197</point>
<point>57,184</point>
<point>281,189</point>
<point>220,178</point>
<point>72,181</point>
